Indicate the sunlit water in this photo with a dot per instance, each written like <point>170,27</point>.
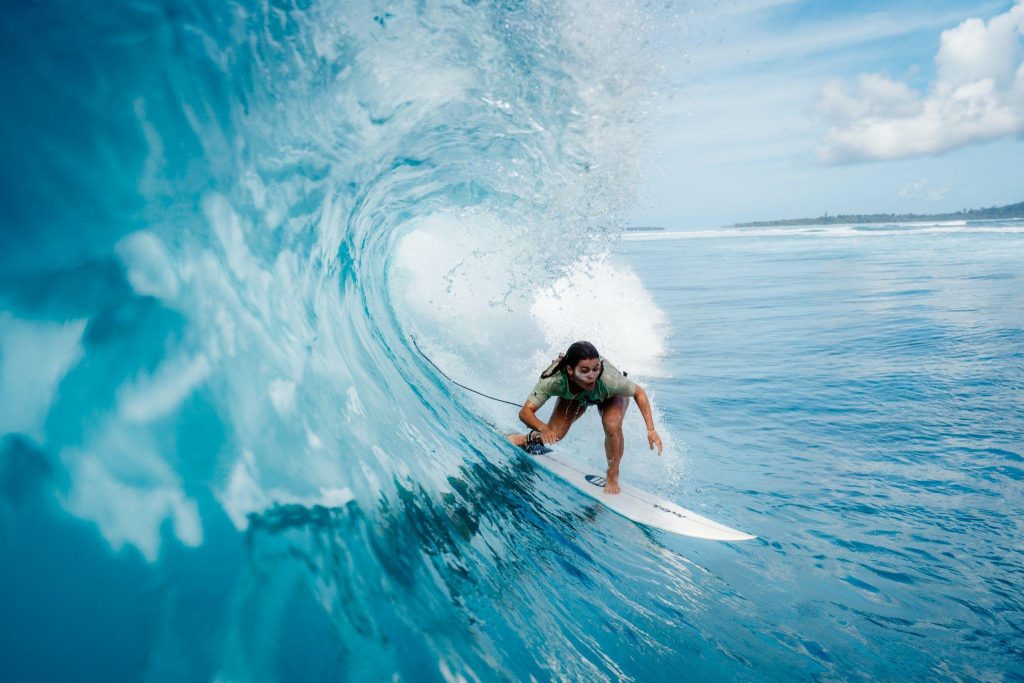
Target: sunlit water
<point>222,458</point>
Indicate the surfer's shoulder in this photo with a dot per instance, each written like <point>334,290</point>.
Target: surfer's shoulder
<point>616,380</point>
<point>545,388</point>
<point>607,365</point>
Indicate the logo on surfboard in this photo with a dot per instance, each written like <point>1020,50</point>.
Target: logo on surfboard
<point>671,512</point>
<point>601,481</point>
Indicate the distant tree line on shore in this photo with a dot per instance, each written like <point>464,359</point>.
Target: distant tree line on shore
<point>994,212</point>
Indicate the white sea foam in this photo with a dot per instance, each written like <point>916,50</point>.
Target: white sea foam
<point>458,288</point>
<point>608,304</point>
<point>282,395</point>
<point>148,266</point>
<point>34,357</point>
<point>246,493</point>
<point>121,482</point>
<point>150,397</point>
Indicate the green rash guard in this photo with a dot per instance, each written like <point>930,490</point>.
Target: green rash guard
<point>610,383</point>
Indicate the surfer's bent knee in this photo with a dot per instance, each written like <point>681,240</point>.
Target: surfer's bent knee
<point>613,427</point>
<point>611,420</point>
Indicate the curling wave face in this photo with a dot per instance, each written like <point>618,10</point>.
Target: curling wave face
<point>217,217</point>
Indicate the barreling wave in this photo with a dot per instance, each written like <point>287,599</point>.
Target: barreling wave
<point>224,222</point>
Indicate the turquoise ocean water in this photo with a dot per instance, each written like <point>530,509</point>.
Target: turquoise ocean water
<point>854,396</point>
<point>225,228</point>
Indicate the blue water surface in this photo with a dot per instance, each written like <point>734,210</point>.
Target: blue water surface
<point>856,401</point>
<point>222,457</point>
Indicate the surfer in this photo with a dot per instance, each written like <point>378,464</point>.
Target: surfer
<point>581,378</point>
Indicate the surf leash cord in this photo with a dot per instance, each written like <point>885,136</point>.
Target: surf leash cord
<point>479,393</point>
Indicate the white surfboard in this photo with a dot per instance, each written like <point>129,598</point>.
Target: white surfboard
<point>637,505</point>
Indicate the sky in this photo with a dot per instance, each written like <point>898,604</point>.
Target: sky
<point>774,109</point>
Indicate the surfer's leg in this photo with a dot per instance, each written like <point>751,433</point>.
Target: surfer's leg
<point>612,412</point>
<point>565,413</point>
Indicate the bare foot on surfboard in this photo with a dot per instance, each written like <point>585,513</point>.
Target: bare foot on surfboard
<point>612,486</point>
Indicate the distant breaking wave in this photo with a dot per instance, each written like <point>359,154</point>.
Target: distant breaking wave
<point>851,230</point>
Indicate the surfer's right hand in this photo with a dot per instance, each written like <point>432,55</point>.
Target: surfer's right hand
<point>654,440</point>
<point>548,436</point>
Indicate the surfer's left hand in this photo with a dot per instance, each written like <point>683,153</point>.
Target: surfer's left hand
<point>654,440</point>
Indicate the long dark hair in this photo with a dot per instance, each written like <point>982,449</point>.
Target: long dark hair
<point>577,351</point>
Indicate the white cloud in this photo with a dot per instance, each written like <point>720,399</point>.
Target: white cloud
<point>876,97</point>
<point>977,96</point>
<point>974,50</point>
<point>753,44</point>
<point>922,189</point>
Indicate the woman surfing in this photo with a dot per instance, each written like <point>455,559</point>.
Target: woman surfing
<point>581,378</point>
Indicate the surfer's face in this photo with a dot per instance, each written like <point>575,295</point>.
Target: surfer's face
<point>586,372</point>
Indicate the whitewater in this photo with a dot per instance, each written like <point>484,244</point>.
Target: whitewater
<point>226,228</point>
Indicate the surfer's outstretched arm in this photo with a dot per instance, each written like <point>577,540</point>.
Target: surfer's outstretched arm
<point>645,409</point>
<point>528,416</point>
